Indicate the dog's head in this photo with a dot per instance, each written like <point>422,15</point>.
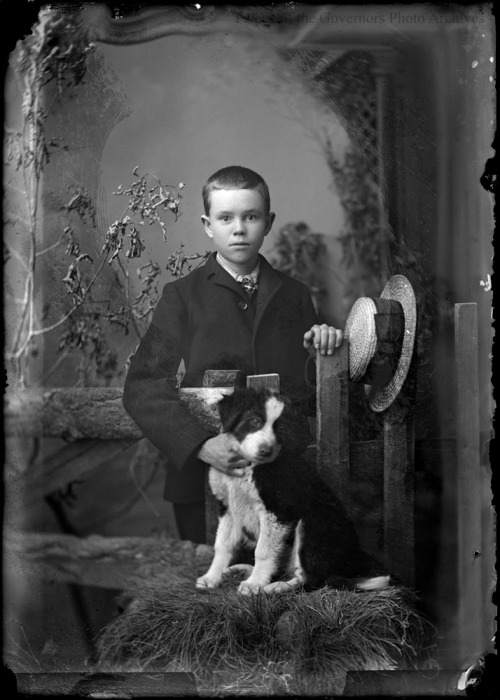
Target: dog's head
<point>252,416</point>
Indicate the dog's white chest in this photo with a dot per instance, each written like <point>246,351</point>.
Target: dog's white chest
<point>240,497</point>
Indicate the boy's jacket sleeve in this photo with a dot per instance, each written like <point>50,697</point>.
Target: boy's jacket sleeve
<point>150,395</point>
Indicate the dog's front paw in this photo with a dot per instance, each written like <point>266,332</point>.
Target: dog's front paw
<point>206,581</point>
<point>282,586</point>
<point>238,571</point>
<point>250,587</point>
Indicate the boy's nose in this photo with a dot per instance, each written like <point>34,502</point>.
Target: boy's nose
<point>239,226</point>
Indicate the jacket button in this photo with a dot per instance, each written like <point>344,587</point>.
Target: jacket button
<point>243,305</point>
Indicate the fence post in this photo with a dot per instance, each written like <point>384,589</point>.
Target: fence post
<point>264,381</point>
<point>469,574</point>
<point>332,421</point>
<point>399,515</point>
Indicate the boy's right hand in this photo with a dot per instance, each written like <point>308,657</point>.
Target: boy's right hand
<point>222,452</point>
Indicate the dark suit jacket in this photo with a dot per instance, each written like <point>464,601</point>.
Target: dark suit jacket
<point>206,319</point>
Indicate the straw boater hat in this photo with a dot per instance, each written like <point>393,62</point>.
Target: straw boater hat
<point>381,336</point>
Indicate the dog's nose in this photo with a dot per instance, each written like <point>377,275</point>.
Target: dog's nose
<point>265,450</point>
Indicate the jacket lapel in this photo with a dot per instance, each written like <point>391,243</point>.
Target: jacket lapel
<point>222,278</point>
<point>269,284</point>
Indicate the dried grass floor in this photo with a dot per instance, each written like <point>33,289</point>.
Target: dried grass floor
<point>297,643</point>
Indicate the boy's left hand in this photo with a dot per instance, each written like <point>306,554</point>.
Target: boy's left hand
<point>323,338</point>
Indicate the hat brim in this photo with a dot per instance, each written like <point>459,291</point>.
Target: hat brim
<point>399,289</point>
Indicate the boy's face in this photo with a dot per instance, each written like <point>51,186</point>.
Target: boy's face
<point>238,224</point>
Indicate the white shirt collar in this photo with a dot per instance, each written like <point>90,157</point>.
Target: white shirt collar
<point>254,275</point>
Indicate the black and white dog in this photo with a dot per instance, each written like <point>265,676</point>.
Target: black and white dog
<point>282,509</point>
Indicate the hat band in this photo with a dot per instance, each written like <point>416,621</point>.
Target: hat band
<point>389,328</point>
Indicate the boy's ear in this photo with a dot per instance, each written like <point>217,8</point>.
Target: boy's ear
<point>270,221</point>
<point>205,220</point>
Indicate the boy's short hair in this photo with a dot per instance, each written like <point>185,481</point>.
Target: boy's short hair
<point>235,177</point>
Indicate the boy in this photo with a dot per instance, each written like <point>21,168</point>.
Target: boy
<point>234,312</point>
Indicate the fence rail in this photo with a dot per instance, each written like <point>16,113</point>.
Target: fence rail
<point>74,414</point>
<point>87,413</point>
<point>103,562</point>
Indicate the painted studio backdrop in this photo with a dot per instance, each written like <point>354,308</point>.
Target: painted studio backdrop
<point>372,126</point>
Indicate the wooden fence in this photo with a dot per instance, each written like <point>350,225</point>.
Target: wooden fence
<point>97,428</point>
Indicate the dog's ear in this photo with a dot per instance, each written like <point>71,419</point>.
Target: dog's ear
<point>229,410</point>
<point>286,401</point>
<point>292,427</point>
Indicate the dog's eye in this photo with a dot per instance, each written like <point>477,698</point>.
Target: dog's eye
<point>255,422</point>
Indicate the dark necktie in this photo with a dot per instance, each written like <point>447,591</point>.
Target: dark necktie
<point>248,285</point>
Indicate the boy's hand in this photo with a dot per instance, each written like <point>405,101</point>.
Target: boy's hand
<point>222,453</point>
<point>323,338</point>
